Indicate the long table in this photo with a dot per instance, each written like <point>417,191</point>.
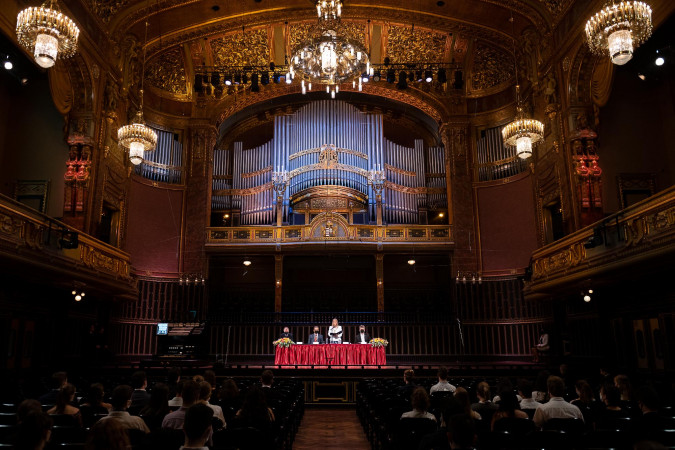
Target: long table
<point>330,354</point>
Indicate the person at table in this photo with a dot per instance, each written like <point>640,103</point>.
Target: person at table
<point>335,333</point>
<point>362,337</point>
<point>286,334</point>
<point>315,337</point>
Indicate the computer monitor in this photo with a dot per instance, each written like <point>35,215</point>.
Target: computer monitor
<point>162,328</point>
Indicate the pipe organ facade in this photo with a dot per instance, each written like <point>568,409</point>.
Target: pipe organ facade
<point>327,149</point>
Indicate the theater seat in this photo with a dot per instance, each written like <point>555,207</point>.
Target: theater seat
<point>514,426</point>
<point>68,435</point>
<point>7,419</point>
<point>410,432</point>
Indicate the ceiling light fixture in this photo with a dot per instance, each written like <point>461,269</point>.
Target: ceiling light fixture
<point>619,28</point>
<point>659,61</point>
<point>8,64</point>
<point>247,262</point>
<point>137,136</point>
<point>411,262</point>
<point>47,33</point>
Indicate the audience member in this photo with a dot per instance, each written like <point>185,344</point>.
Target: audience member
<point>525,392</point>
<point>108,435</point>
<point>484,405</point>
<point>157,408</point>
<point>140,397</point>
<point>420,406</point>
<point>461,432</point>
<point>63,404</point>
<point>205,396</point>
<point>229,399</point>
<point>611,398</point>
<point>508,408</point>
<point>254,411</point>
<point>462,397</point>
<point>177,401</point>
<point>197,427</point>
<point>172,379</point>
<point>504,384</point>
<point>406,390</point>
<point>190,395</point>
<point>121,399</point>
<point>540,391</point>
<point>26,407</point>
<point>649,425</point>
<point>442,385</point>
<point>585,401</point>
<point>59,380</point>
<point>266,381</point>
<point>556,407</point>
<point>94,405</point>
<point>34,431</point>
<point>210,377</point>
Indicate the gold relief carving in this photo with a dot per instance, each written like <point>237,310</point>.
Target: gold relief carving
<point>338,166</point>
<point>556,7</point>
<point>318,149</point>
<point>95,259</point>
<point>249,48</point>
<point>167,72</point>
<point>563,260</point>
<point>640,228</point>
<point>301,33</point>
<point>244,192</point>
<point>328,203</point>
<point>329,226</point>
<point>408,44</point>
<point>400,171</point>
<point>106,9</point>
<point>256,173</point>
<point>408,190</point>
<point>491,66</point>
<point>328,158</point>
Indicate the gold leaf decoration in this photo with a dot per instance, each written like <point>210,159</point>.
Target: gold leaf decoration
<point>411,45</point>
<point>301,33</point>
<point>491,66</point>
<point>249,48</point>
<point>106,9</point>
<point>167,72</point>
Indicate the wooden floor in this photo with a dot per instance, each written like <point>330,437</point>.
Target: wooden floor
<point>330,429</point>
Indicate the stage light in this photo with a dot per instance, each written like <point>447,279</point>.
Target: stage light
<point>78,298</point>
<point>226,216</point>
<point>402,80</point>
<point>377,76</point>
<point>24,81</point>
<point>411,262</point>
<point>642,76</point>
<point>391,76</point>
<point>441,77</point>
<point>428,76</point>
<point>587,298</point>
<point>265,78</point>
<point>364,77</point>
<point>590,291</point>
<point>289,79</point>
<point>8,64</point>
<point>74,292</point>
<point>254,83</point>
<point>228,80</point>
<point>247,262</point>
<point>441,215</point>
<point>659,61</point>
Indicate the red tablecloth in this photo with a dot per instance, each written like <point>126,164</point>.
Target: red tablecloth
<point>330,354</point>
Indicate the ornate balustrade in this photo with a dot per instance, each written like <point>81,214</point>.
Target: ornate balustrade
<point>327,227</point>
<point>639,233</point>
<point>35,239</point>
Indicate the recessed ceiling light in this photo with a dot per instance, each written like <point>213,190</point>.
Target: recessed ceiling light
<point>440,3</point>
<point>215,8</point>
<point>247,262</point>
<point>659,61</point>
<point>8,64</point>
<point>642,77</point>
<point>411,262</point>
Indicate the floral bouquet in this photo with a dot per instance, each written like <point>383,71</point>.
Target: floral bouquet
<point>379,342</point>
<point>283,342</point>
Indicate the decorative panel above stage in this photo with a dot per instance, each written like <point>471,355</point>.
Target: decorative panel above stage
<point>327,149</point>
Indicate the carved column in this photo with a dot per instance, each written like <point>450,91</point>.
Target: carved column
<point>379,275</point>
<point>278,281</point>
<point>459,179</point>
<point>202,139</point>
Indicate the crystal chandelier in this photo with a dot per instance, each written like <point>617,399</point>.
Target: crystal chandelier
<point>47,33</point>
<point>137,136</point>
<point>619,28</point>
<point>329,9</point>
<point>523,133</point>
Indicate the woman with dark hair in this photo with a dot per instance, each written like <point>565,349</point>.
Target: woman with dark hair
<point>94,405</point>
<point>508,408</point>
<point>254,412</point>
<point>108,435</point>
<point>462,397</point>
<point>607,417</point>
<point>158,406</point>
<point>34,431</point>
<point>586,402</point>
<point>420,405</point>
<point>63,404</point>
<point>229,399</point>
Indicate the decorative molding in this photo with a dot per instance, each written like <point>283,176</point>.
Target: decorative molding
<point>309,151</point>
<point>244,192</point>
<point>405,173</point>
<point>251,174</point>
<point>409,44</point>
<point>167,72</point>
<point>247,48</point>
<point>491,66</point>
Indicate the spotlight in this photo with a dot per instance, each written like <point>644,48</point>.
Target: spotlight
<point>441,77</point>
<point>364,77</point>
<point>226,216</point>
<point>247,262</point>
<point>659,61</point>
<point>289,80</point>
<point>276,77</point>
<point>237,78</point>
<point>74,292</point>
<point>642,76</point>
<point>199,87</point>
<point>418,76</point>
<point>228,80</point>
<point>376,76</point>
<point>411,262</point>
<point>244,78</point>
<point>24,81</point>
<point>391,76</point>
<point>428,76</point>
<point>8,64</point>
<point>254,83</point>
<point>402,80</point>
<point>78,298</point>
<point>441,215</point>
<point>215,79</point>
<point>587,298</point>
<point>590,291</point>
<point>459,80</point>
<point>265,78</point>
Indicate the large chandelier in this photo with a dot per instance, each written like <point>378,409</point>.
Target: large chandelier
<point>137,137</point>
<point>329,9</point>
<point>47,33</point>
<point>523,133</point>
<point>619,28</point>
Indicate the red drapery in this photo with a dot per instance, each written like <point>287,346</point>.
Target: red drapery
<point>330,354</point>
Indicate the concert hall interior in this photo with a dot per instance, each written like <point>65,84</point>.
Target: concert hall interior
<point>487,186</point>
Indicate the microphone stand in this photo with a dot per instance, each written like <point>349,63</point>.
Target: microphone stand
<point>461,335</point>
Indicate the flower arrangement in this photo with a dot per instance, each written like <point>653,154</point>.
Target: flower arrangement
<point>379,342</point>
<point>283,342</point>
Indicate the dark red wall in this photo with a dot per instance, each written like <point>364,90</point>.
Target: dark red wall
<point>153,228</point>
<point>508,233</point>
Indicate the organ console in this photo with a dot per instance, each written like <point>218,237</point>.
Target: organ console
<point>327,150</point>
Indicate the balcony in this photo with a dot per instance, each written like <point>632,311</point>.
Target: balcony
<point>637,237</point>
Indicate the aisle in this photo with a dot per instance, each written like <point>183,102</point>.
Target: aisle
<point>330,429</point>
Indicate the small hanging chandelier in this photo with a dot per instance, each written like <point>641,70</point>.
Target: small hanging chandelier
<point>329,9</point>
<point>137,137</point>
<point>47,33</point>
<point>523,133</point>
<point>618,29</point>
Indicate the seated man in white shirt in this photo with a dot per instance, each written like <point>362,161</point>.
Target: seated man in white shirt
<point>120,400</point>
<point>420,403</point>
<point>556,407</point>
<point>442,385</point>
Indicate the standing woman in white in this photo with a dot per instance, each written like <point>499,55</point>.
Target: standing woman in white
<point>335,333</point>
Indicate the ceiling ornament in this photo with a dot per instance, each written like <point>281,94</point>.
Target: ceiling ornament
<point>106,9</point>
<point>410,44</point>
<point>618,29</point>
<point>47,33</point>
<point>249,47</point>
<point>491,66</point>
<point>167,72</point>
